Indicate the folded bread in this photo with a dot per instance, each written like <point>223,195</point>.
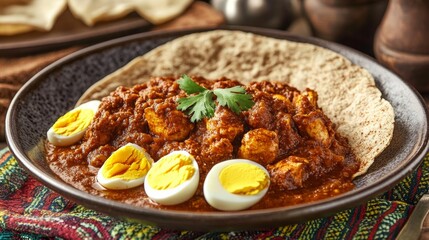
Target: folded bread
<point>156,12</point>
<point>24,16</point>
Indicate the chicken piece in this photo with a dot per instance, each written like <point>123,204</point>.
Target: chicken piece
<point>260,145</point>
<point>305,102</point>
<point>311,96</point>
<point>319,159</point>
<point>289,173</point>
<point>282,104</point>
<point>317,130</point>
<point>215,150</point>
<point>288,135</point>
<point>260,116</point>
<point>280,97</point>
<point>322,160</point>
<point>317,126</point>
<point>171,125</point>
<point>110,120</point>
<point>225,123</point>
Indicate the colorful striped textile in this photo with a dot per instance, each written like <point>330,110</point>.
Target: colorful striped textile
<point>29,210</point>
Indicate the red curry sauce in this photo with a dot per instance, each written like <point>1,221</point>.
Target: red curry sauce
<point>285,131</point>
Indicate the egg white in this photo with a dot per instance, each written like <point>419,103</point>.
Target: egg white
<point>218,197</point>
<point>176,195</point>
<point>62,140</point>
<point>118,183</point>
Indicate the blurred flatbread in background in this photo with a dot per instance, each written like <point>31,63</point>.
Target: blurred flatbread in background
<point>4,3</point>
<point>93,11</point>
<point>198,14</point>
<point>20,16</point>
<point>154,11</point>
<point>23,16</point>
<point>13,29</point>
<point>161,11</point>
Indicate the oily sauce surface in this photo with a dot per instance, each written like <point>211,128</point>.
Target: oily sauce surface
<point>285,131</point>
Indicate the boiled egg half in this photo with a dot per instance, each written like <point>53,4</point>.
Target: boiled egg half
<point>173,179</point>
<point>126,168</point>
<point>235,184</point>
<point>70,127</point>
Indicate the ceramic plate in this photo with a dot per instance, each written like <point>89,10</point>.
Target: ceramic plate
<point>57,88</point>
<point>69,31</point>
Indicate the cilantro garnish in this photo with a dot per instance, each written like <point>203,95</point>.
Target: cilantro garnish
<point>202,104</point>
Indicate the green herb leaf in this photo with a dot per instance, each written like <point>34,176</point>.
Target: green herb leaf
<point>189,86</point>
<point>202,104</point>
<point>198,106</point>
<point>235,98</point>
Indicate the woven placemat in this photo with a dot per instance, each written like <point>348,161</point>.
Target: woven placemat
<point>29,210</point>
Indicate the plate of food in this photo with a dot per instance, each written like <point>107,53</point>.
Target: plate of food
<point>218,129</point>
<point>68,31</point>
<point>29,26</point>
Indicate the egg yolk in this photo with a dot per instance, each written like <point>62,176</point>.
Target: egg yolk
<point>243,179</point>
<point>126,163</point>
<point>73,122</point>
<point>171,171</point>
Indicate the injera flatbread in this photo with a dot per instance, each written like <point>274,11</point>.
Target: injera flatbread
<point>347,92</point>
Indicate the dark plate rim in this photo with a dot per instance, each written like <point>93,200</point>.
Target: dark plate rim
<point>213,220</point>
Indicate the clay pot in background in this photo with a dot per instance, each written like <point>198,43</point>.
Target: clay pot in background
<point>349,22</point>
<point>402,41</point>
